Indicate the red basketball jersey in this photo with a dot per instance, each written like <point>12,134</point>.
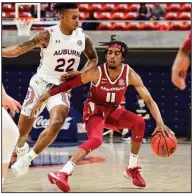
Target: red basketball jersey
<point>107,92</point>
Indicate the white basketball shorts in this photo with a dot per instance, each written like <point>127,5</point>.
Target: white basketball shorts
<point>37,88</point>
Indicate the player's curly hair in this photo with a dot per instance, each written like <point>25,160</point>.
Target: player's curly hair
<point>123,46</point>
<point>63,6</point>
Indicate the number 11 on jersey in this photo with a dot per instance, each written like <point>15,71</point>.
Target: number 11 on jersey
<point>110,97</point>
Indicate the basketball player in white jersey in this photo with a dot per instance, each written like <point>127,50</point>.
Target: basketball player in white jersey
<point>61,47</point>
<point>10,132</point>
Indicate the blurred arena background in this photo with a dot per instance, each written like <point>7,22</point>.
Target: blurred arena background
<point>153,44</point>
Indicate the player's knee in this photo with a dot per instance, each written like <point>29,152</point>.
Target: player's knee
<point>91,144</point>
<point>98,142</point>
<point>56,125</point>
<point>95,143</point>
<point>138,133</point>
<point>141,123</point>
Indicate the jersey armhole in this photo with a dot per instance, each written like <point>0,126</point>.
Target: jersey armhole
<point>99,68</point>
<point>127,75</point>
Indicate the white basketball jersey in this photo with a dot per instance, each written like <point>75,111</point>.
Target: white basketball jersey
<point>62,54</point>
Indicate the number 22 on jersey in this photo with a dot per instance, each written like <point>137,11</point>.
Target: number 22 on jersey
<point>63,66</point>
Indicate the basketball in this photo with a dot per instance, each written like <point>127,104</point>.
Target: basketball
<point>163,146</point>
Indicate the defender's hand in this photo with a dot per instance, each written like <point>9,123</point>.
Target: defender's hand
<point>12,104</point>
<point>69,75</point>
<point>178,78</point>
<point>179,73</point>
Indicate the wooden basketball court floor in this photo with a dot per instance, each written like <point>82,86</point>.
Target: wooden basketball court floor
<point>103,170</point>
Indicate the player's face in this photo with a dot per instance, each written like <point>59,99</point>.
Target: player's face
<point>114,57</point>
<point>71,18</point>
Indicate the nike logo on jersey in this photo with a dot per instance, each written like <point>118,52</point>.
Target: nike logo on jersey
<point>138,137</point>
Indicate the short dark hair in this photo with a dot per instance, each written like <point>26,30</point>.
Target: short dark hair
<point>63,6</point>
<point>124,48</point>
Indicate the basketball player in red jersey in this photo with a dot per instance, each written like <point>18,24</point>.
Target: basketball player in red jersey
<point>181,64</point>
<point>102,109</point>
<point>61,47</point>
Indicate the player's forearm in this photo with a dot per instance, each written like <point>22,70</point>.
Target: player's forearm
<point>10,52</point>
<point>91,63</point>
<point>154,111</point>
<point>15,51</point>
<point>75,82</point>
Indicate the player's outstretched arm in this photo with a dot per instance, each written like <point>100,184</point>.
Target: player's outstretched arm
<point>92,60</point>
<point>86,77</point>
<point>40,39</point>
<point>135,80</point>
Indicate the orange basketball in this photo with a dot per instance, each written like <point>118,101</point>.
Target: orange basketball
<point>163,146</point>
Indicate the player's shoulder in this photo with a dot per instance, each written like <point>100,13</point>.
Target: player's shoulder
<point>131,71</point>
<point>52,29</point>
<point>126,68</point>
<point>42,36</point>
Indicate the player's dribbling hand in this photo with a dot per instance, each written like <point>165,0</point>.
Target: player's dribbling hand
<point>164,129</point>
<point>69,75</point>
<point>36,109</point>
